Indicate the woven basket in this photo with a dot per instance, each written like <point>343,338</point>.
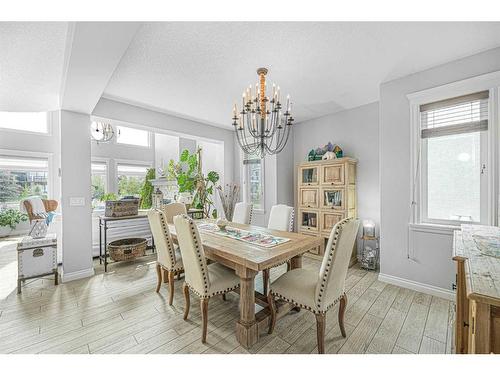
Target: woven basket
<point>127,248</point>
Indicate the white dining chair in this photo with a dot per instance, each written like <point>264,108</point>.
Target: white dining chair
<point>242,213</point>
<point>204,280</point>
<point>174,209</point>
<point>169,258</point>
<point>318,291</point>
<point>280,218</point>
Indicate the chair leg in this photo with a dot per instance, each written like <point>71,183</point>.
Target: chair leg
<point>265,280</point>
<point>165,276</point>
<point>320,332</point>
<point>204,317</point>
<point>224,297</point>
<point>343,304</point>
<point>288,266</point>
<point>272,309</point>
<point>187,301</point>
<point>171,287</point>
<point>158,274</point>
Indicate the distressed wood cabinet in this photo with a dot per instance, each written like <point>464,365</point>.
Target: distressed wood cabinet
<point>326,194</point>
<point>477,319</point>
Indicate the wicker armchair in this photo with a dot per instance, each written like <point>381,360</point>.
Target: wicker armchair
<point>49,204</point>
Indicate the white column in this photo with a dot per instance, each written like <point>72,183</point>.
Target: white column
<point>76,196</point>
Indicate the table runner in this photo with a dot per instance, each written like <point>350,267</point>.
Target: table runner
<point>252,237</point>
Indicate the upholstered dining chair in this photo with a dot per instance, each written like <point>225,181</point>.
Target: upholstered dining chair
<point>174,209</point>
<point>319,291</point>
<point>242,213</point>
<point>280,218</point>
<point>168,257</point>
<point>204,280</point>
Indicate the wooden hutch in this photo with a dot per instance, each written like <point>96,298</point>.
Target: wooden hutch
<point>326,194</point>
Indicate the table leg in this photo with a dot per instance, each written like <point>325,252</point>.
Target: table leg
<point>56,277</point>
<point>18,286</point>
<point>100,241</point>
<point>296,262</point>
<point>105,248</point>
<point>247,332</point>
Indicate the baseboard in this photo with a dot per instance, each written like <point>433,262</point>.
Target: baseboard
<point>70,276</point>
<point>419,287</point>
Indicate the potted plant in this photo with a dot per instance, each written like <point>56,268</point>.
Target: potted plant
<point>147,190</point>
<point>9,218</point>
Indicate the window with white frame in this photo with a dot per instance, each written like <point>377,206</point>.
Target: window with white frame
<point>31,122</point>
<point>132,136</point>
<point>99,183</point>
<point>22,177</point>
<point>453,152</point>
<point>253,167</point>
<point>130,179</point>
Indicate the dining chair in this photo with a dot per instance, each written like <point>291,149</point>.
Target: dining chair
<point>280,218</point>
<point>174,209</point>
<point>168,257</point>
<point>204,280</point>
<point>319,291</point>
<point>242,213</point>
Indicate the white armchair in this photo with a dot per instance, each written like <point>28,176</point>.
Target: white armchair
<point>319,291</point>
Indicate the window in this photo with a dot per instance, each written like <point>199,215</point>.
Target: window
<point>453,145</point>
<point>130,179</point>
<point>35,122</point>
<point>99,183</point>
<point>21,177</point>
<point>254,181</point>
<point>131,136</point>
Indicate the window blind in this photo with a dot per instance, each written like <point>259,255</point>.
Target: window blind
<point>463,114</point>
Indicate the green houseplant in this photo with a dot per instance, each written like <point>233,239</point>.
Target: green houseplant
<point>147,189</point>
<point>9,218</point>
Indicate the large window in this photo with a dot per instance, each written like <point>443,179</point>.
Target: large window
<point>21,177</point>
<point>132,136</point>
<point>130,179</point>
<point>35,122</point>
<point>99,183</point>
<point>453,142</point>
<point>254,181</point>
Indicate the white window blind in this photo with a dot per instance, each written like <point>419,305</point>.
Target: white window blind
<point>464,114</point>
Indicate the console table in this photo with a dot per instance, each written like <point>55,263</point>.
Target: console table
<point>477,323</point>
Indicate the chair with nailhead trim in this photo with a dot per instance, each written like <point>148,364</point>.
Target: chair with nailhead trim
<point>168,257</point>
<point>242,213</point>
<point>280,218</point>
<point>319,291</point>
<point>174,209</point>
<point>204,280</point>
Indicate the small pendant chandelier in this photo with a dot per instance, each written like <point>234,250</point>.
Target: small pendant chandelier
<point>101,132</point>
<point>262,128</point>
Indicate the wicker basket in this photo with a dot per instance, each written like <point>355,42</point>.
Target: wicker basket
<point>127,248</point>
<point>124,207</point>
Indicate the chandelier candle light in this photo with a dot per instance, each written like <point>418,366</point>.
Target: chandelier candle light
<point>261,126</point>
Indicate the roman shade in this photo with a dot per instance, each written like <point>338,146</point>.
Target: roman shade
<point>463,114</point>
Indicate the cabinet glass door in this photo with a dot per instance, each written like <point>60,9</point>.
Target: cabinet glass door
<point>309,220</point>
<point>333,198</point>
<point>309,175</point>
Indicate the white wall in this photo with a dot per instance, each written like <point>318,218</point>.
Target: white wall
<point>75,183</point>
<point>356,131</point>
<point>431,252</point>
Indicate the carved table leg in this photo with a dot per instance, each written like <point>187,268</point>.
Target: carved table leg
<point>296,262</point>
<point>246,327</point>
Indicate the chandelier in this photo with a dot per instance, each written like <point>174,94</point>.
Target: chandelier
<point>101,132</point>
<point>261,126</point>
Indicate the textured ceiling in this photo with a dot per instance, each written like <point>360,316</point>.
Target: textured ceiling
<point>31,65</point>
<point>198,70</point>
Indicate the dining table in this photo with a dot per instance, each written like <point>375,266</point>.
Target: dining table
<point>247,260</point>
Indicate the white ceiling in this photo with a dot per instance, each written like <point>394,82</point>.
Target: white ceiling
<point>31,65</point>
<point>199,70</point>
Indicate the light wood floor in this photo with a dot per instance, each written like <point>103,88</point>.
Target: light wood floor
<point>119,312</point>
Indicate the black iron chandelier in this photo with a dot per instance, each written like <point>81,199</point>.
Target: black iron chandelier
<point>261,126</point>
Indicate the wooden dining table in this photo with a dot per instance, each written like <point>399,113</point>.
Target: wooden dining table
<point>247,260</point>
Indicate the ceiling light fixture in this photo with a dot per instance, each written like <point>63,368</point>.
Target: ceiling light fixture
<point>101,132</point>
<point>261,126</point>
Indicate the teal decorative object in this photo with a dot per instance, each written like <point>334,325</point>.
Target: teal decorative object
<point>338,152</point>
<point>311,156</point>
